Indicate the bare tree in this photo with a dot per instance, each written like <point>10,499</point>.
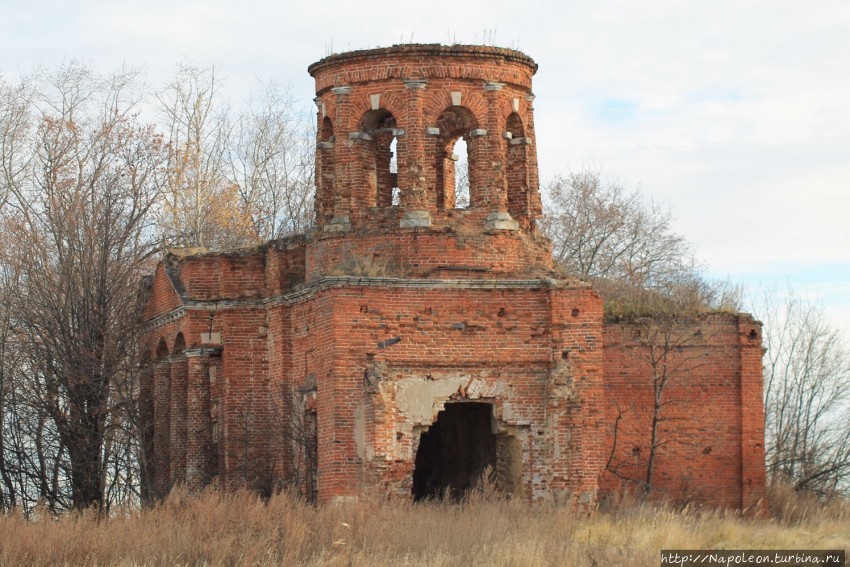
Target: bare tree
<point>82,184</point>
<point>671,347</point>
<point>14,128</point>
<point>601,230</point>
<point>807,396</point>
<point>79,221</point>
<point>201,206</point>
<point>234,179</point>
<point>627,247</point>
<point>274,164</point>
<point>9,363</point>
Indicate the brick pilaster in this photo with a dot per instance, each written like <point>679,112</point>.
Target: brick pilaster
<point>753,476</point>
<point>146,432</point>
<point>575,396</point>
<point>177,444</point>
<point>162,427</point>
<point>199,455</point>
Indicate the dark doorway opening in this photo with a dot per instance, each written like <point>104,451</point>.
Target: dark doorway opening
<point>455,452</point>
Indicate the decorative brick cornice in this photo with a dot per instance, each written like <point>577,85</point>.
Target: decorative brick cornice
<point>332,282</point>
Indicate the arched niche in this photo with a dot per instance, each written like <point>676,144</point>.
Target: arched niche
<point>161,350</point>
<point>455,123</point>
<point>179,344</point>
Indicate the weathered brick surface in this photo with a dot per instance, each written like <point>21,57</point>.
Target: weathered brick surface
<point>320,360</point>
<point>711,432</point>
<point>426,97</point>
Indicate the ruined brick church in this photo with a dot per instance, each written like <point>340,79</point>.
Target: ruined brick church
<point>412,344</point>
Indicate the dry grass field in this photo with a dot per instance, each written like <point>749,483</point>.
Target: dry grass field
<point>238,528</point>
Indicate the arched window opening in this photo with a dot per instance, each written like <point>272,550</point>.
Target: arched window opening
<point>460,157</point>
<point>379,155</point>
<point>455,159</point>
<point>516,173</point>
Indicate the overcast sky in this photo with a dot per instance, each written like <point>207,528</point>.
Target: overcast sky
<point>735,113</point>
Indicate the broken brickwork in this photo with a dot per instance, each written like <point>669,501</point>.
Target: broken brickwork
<point>410,344</point>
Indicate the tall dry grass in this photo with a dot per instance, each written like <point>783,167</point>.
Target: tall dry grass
<point>239,528</point>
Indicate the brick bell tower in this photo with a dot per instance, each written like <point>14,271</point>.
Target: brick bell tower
<point>421,99</point>
<point>388,120</point>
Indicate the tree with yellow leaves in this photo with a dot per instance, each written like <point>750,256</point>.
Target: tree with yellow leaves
<point>233,181</point>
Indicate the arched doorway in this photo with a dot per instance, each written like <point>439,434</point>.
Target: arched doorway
<point>455,452</point>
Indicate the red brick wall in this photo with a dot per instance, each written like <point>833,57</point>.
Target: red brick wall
<point>285,264</point>
<point>497,338</point>
<point>230,275</point>
<point>564,381</point>
<point>707,434</point>
<point>163,297</point>
<point>424,252</point>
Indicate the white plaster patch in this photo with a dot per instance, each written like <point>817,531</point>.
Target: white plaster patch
<point>363,450</point>
<point>508,414</point>
<point>420,400</point>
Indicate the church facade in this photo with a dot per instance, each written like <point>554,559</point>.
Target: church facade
<point>417,339</point>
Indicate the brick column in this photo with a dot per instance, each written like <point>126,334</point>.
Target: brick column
<point>339,394</point>
<point>199,425</point>
<point>177,446</point>
<point>753,475</point>
<point>412,176</point>
<point>347,173</point>
<point>162,427</point>
<point>492,161</point>
<point>493,175</point>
